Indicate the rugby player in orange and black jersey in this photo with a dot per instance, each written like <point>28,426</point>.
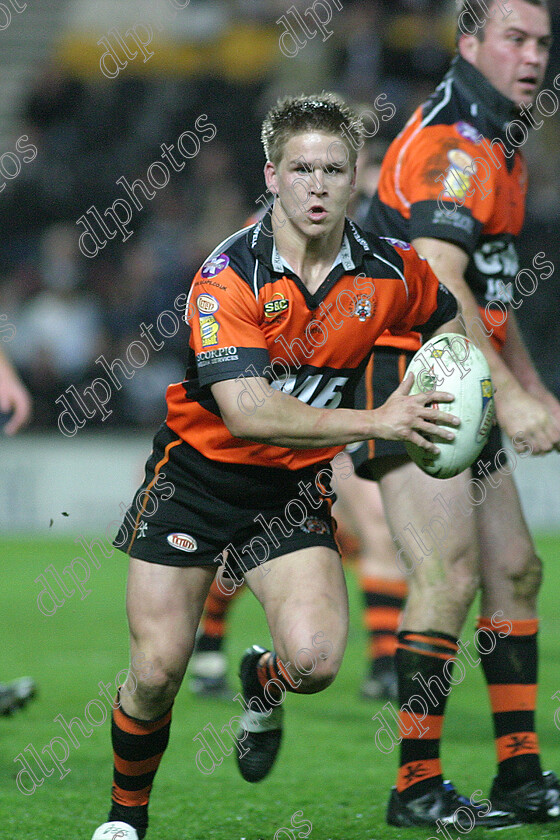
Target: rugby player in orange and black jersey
<point>250,316</point>
<point>451,174</point>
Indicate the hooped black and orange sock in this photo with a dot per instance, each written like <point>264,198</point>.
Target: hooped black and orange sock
<point>384,600</point>
<point>138,747</point>
<point>213,623</point>
<point>424,663</point>
<point>266,679</point>
<point>509,660</point>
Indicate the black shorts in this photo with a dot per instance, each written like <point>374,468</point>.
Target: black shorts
<point>383,375</point>
<point>190,509</point>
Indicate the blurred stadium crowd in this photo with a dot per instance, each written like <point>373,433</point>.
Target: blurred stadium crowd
<point>90,130</point>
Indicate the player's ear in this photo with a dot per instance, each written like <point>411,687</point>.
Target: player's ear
<point>270,177</point>
<point>468,47</point>
<point>354,176</point>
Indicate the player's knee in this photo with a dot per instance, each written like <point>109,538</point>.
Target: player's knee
<point>322,675</point>
<point>527,576</point>
<point>160,687</point>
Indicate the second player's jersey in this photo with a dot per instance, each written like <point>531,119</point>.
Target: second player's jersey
<point>251,316</point>
<point>446,177</point>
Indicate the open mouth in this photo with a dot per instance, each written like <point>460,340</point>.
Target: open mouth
<point>316,212</point>
<point>528,81</point>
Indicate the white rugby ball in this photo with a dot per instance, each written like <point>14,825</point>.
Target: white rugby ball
<point>451,362</point>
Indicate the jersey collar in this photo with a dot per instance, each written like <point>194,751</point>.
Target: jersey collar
<point>350,257</point>
<point>493,110</point>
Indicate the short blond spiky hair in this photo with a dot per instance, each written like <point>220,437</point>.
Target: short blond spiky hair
<point>317,112</point>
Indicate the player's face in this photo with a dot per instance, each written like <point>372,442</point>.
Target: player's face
<point>313,183</point>
<point>514,53</point>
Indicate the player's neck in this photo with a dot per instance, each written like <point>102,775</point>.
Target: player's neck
<point>310,259</point>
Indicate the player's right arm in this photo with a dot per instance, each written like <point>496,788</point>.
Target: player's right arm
<point>283,420</point>
<point>518,412</point>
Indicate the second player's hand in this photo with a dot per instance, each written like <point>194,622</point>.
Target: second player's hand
<point>410,418</point>
<point>528,419</point>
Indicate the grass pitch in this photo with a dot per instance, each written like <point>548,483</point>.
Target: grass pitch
<point>329,768</point>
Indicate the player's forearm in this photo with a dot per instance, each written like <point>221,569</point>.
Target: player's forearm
<point>517,358</point>
<point>283,420</point>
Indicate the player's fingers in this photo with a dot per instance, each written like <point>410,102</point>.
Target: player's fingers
<point>440,396</point>
<point>22,413</point>
<point>436,416</point>
<point>435,429</point>
<point>423,443</point>
<point>405,385</point>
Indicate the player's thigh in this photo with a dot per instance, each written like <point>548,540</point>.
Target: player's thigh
<point>434,525</point>
<point>305,599</point>
<point>506,548</point>
<point>164,605</point>
<point>363,507</point>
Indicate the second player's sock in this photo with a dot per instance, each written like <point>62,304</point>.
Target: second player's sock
<point>510,668</point>
<point>267,670</point>
<point>424,662</point>
<point>138,747</point>
<point>384,601</point>
<point>213,623</point>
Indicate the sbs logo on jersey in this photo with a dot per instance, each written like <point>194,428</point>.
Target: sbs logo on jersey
<point>184,542</point>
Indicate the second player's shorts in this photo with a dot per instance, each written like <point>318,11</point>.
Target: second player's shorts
<point>190,509</point>
<point>384,372</point>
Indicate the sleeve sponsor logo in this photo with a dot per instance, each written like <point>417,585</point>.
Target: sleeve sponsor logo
<point>209,329</point>
<point>468,131</point>
<point>213,357</point>
<point>184,542</point>
<point>207,304</point>
<point>461,222</point>
<point>214,265</point>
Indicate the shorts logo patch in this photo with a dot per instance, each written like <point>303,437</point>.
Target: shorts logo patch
<point>184,542</point>
<point>209,329</point>
<point>315,526</point>
<point>207,304</point>
<point>214,265</point>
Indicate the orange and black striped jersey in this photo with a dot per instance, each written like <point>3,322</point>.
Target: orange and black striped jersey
<point>453,174</point>
<point>251,316</point>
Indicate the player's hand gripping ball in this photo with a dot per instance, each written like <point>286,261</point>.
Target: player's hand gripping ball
<point>451,362</point>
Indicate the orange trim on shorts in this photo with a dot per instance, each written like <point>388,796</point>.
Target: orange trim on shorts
<point>402,366</point>
<point>395,588</point>
<point>513,697</point>
<point>139,727</point>
<point>516,743</point>
<point>159,465</point>
<point>417,771</point>
<point>408,721</point>
<point>369,399</point>
<point>130,797</point>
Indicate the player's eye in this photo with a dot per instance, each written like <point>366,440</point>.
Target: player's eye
<point>332,170</point>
